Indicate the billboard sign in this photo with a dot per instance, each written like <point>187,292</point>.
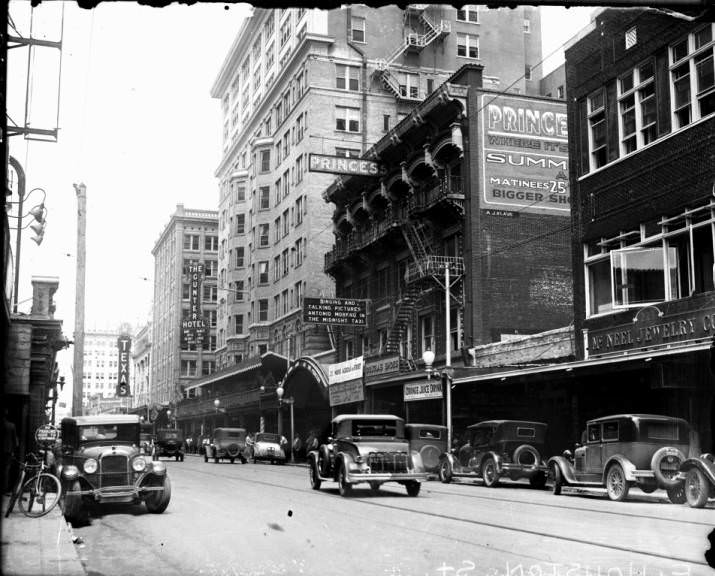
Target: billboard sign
<point>193,326</point>
<point>124,346</point>
<point>342,165</point>
<point>524,154</point>
<point>346,392</point>
<point>423,390</point>
<point>344,311</point>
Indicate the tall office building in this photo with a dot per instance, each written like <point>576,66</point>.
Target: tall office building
<point>190,237</point>
<point>300,82</point>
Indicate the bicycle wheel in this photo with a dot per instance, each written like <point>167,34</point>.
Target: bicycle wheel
<point>39,495</point>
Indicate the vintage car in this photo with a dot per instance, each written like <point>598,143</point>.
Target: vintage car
<point>429,441</point>
<point>366,448</point>
<point>625,450</point>
<point>100,462</point>
<point>268,446</point>
<point>169,442</point>
<point>496,449</point>
<point>699,477</point>
<point>227,443</point>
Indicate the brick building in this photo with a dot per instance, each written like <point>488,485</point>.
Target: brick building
<point>641,87</point>
<point>473,182</point>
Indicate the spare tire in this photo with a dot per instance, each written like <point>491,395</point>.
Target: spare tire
<point>232,450</point>
<point>665,465</point>
<point>527,456</point>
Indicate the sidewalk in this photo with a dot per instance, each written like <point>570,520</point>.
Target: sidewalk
<point>38,546</point>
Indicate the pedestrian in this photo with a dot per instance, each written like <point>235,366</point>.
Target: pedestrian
<point>9,450</point>
<point>297,447</point>
<point>312,441</point>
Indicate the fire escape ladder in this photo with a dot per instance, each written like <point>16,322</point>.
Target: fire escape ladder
<point>416,241</point>
<point>403,316</point>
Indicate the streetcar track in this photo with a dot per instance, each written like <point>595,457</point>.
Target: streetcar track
<point>575,540</point>
<point>544,505</point>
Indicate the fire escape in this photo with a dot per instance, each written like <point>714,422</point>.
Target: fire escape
<point>412,42</point>
<point>424,268</point>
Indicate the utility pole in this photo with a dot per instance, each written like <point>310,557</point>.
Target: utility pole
<point>78,369</point>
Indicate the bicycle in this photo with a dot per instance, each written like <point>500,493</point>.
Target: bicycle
<point>40,493</point>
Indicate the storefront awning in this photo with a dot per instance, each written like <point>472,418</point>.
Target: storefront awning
<point>579,365</point>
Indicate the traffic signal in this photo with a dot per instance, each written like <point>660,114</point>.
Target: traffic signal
<point>38,212</point>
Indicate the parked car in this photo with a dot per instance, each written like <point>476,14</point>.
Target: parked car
<point>699,477</point>
<point>227,443</point>
<point>100,461</point>
<point>626,450</point>
<point>429,441</point>
<point>496,449</point>
<point>366,448</point>
<point>169,442</point>
<point>268,446</point>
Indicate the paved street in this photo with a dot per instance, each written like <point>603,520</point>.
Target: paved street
<point>258,519</point>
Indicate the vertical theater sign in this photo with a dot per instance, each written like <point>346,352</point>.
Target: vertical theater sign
<point>124,347</point>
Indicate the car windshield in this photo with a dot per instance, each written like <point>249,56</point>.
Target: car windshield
<point>127,433</point>
<point>169,434</point>
<point>267,438</point>
<point>374,428</point>
<point>234,434</point>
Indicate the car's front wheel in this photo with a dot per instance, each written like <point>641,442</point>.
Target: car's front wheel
<point>697,488</point>
<point>538,481</point>
<point>157,501</point>
<point>73,507</point>
<point>413,487</point>
<point>343,485</point>
<point>489,473</point>
<point>677,495</point>
<point>616,484</point>
<point>315,480</point>
<point>445,471</point>
<point>557,481</point>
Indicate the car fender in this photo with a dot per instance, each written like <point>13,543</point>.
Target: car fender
<point>417,464</point>
<point>628,467</point>
<point>454,464</point>
<point>568,473</point>
<point>707,467</point>
<point>497,460</point>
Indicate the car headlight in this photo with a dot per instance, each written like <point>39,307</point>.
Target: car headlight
<point>138,464</point>
<point>90,466</point>
<point>70,472</point>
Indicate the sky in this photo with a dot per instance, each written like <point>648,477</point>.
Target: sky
<point>138,127</point>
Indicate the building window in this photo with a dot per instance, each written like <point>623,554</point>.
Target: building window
<point>264,198</point>
<point>527,26</point>
<point>597,129</point>
<point>208,367</point>
<point>239,290</point>
<point>357,29</point>
<point>263,272</point>
<point>298,249</point>
<point>426,334</point>
<point>674,264</point>
<point>265,161</point>
<point>211,268</point>
<point>285,262</point>
<point>210,293</point>
<point>299,211</point>
<point>527,72</point>
<point>560,92</point>
<point>263,235</point>
<point>637,107</point>
<point>240,223</point>
<point>347,77</point>
<point>409,85</point>
<point>347,152</point>
<point>240,194</point>
<point>469,13</point>
<point>191,242</point>
<point>238,324</point>
<point>240,257</point>
<point>385,122</point>
<point>185,291</point>
<point>693,77</point>
<point>468,45</point>
<point>188,367</point>
<point>212,318</point>
<point>211,243</point>
<point>347,119</point>
<point>286,222</point>
<point>263,310</point>
<point>631,38</point>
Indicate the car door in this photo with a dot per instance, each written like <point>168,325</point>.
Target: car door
<point>481,445</point>
<point>594,449</point>
<point>465,451</point>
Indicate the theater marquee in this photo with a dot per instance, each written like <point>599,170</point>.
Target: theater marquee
<point>342,165</point>
<point>524,154</point>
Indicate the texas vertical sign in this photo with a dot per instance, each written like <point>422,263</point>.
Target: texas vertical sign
<point>124,347</point>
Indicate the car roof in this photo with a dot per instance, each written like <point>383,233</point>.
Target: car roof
<point>498,422</point>
<point>230,429</point>
<point>656,417</point>
<point>343,417</point>
<point>105,419</point>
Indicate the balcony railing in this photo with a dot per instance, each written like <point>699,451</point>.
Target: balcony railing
<point>446,189</point>
<point>434,265</point>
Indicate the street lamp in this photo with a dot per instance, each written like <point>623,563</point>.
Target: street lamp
<point>216,405</point>
<point>290,401</point>
<point>446,375</point>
